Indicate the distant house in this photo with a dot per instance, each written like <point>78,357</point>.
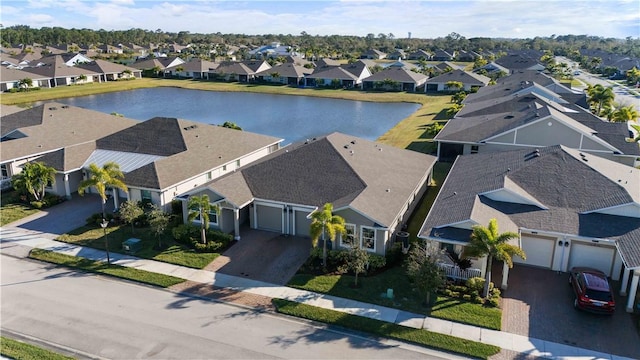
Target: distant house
<point>373,54</point>
<point>10,78</point>
<point>397,54</point>
<point>346,75</point>
<point>157,63</point>
<point>395,79</point>
<point>419,55</point>
<point>241,71</point>
<point>467,56</point>
<point>274,50</point>
<point>108,71</point>
<point>109,49</point>
<point>287,74</point>
<point>61,74</point>
<point>518,61</point>
<point>359,177</point>
<point>469,81</point>
<point>193,69</point>
<point>442,55</point>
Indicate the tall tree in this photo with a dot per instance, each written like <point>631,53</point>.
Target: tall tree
<point>600,96</point>
<point>324,222</point>
<point>33,179</point>
<point>102,178</point>
<point>488,241</point>
<point>200,208</point>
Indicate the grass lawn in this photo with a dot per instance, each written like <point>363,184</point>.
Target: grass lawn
<point>174,253</point>
<point>99,267</point>
<point>18,350</point>
<point>374,287</point>
<point>11,209</point>
<point>389,330</point>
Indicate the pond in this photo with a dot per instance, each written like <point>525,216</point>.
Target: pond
<point>292,118</point>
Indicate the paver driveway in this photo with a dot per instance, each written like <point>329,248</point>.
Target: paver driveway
<point>539,304</point>
<point>263,255</point>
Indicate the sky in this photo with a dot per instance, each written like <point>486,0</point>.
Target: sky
<point>423,19</point>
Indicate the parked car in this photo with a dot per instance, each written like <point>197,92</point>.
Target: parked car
<point>592,290</point>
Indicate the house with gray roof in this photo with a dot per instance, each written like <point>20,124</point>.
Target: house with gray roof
<point>531,119</point>
<point>287,74</point>
<point>419,55</point>
<point>11,77</point>
<point>520,61</point>
<point>346,75</point>
<point>194,69</point>
<point>30,134</point>
<point>395,79</point>
<point>163,157</point>
<point>569,207</point>
<point>241,71</point>
<point>373,186</point>
<point>373,54</point>
<point>60,73</point>
<point>469,80</point>
<point>109,71</point>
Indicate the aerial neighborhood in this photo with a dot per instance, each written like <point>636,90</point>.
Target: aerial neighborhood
<point>525,140</point>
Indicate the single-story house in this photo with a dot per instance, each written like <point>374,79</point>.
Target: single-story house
<point>162,158</point>
<point>60,73</point>
<point>241,71</point>
<point>468,79</point>
<point>29,134</point>
<point>193,69</point>
<point>419,55</point>
<point>373,54</point>
<point>570,208</point>
<point>373,186</point>
<point>109,71</point>
<point>443,55</point>
<point>287,73</point>
<point>10,78</point>
<point>532,120</point>
<point>395,79</point>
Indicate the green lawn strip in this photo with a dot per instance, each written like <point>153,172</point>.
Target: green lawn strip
<point>22,351</point>
<point>388,330</point>
<point>172,252</point>
<point>416,220</point>
<point>373,287</point>
<point>102,268</point>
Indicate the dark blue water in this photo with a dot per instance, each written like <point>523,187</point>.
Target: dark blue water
<point>292,118</point>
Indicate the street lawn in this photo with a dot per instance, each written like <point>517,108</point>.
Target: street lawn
<point>103,268</point>
<point>19,350</point>
<point>388,330</point>
<point>372,289</point>
<point>172,252</point>
<point>11,209</point>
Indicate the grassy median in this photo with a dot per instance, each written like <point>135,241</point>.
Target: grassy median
<point>102,268</point>
<point>18,350</point>
<point>389,330</point>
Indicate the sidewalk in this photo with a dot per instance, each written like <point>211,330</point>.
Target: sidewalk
<point>25,239</point>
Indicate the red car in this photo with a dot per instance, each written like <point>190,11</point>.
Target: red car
<point>592,290</point>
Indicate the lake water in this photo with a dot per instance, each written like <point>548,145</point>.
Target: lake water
<point>292,118</point>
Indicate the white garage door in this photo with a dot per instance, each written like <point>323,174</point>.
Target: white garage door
<point>539,252</point>
<point>594,256</point>
<point>303,225</point>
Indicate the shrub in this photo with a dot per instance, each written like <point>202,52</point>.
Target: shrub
<point>96,219</point>
<point>466,297</point>
<point>376,263</point>
<point>493,302</point>
<point>185,233</point>
<point>476,284</point>
<point>394,255</point>
<point>37,204</point>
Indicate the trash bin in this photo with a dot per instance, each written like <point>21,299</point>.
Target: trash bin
<point>132,245</point>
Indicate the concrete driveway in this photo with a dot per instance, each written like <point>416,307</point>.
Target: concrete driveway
<point>539,304</point>
<point>264,256</point>
<point>63,217</point>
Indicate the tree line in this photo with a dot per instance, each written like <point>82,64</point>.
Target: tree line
<point>338,46</point>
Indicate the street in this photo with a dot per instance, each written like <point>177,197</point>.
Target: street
<point>100,317</point>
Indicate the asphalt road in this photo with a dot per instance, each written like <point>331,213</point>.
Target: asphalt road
<point>99,317</point>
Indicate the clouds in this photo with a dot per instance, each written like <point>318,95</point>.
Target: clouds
<point>424,19</point>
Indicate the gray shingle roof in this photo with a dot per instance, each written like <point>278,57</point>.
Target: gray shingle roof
<point>374,179</point>
<point>398,74</point>
<point>577,187</point>
<point>157,136</point>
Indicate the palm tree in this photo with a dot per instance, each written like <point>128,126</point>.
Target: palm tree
<point>25,84</point>
<point>487,241</point>
<point>322,222</point>
<point>624,114</point>
<point>600,96</point>
<point>33,179</point>
<point>101,178</point>
<point>200,208</point>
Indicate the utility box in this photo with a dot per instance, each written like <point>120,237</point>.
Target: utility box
<point>132,245</point>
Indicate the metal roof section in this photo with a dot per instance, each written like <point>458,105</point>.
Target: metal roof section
<point>128,161</point>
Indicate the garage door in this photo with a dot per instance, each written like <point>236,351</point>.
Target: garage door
<point>539,252</point>
<point>269,218</point>
<point>595,256</point>
<point>302,223</point>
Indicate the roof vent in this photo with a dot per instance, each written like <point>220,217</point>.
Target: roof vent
<point>353,142</point>
<point>190,127</point>
<point>509,117</point>
<point>65,106</point>
<point>53,108</point>
<point>346,146</point>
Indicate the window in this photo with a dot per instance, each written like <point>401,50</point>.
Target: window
<point>224,167</point>
<point>368,238</point>
<point>238,163</point>
<point>5,171</point>
<point>448,247</point>
<point>474,149</point>
<point>348,239</point>
<point>145,195</point>
<point>209,175</point>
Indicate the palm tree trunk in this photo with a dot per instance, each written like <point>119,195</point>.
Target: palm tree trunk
<point>324,249</point>
<point>104,217</point>
<point>204,235</point>
<point>485,291</point>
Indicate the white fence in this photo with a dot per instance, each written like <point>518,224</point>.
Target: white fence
<point>454,272</point>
